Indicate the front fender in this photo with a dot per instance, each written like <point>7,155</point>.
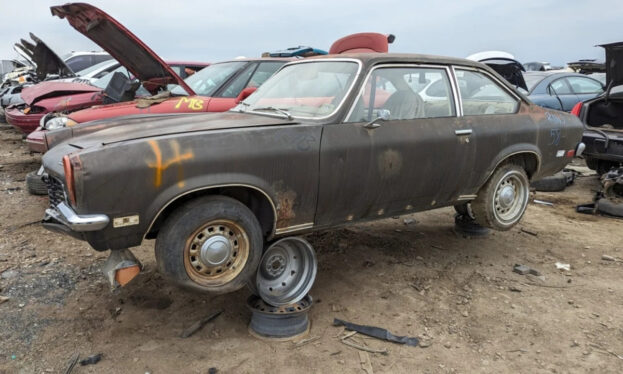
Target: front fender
<point>212,181</point>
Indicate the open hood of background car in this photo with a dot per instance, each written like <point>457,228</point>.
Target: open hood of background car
<point>504,64</point>
<point>19,49</point>
<point>614,64</point>
<point>49,89</point>
<point>124,46</point>
<point>46,60</point>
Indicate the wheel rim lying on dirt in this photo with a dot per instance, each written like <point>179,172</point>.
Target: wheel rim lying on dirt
<point>510,198</point>
<point>287,271</point>
<point>279,322</point>
<point>216,252</point>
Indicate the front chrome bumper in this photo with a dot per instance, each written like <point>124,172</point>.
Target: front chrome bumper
<point>66,216</point>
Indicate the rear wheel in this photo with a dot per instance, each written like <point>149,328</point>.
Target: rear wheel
<point>502,201</point>
<point>212,244</point>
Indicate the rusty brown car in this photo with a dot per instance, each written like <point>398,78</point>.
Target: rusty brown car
<point>326,141</point>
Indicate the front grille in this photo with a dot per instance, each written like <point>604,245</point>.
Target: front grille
<point>56,192</point>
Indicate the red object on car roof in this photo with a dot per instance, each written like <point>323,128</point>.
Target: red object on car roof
<point>362,43</point>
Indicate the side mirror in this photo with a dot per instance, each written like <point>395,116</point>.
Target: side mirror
<point>382,115</point>
<point>245,93</point>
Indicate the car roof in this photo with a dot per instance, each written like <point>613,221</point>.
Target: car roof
<point>374,58</point>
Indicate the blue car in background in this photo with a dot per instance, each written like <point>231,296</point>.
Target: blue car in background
<point>560,90</point>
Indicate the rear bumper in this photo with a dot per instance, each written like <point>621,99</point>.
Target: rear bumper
<point>26,123</point>
<point>598,147</point>
<point>65,216</point>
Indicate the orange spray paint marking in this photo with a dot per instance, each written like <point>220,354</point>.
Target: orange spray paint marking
<point>161,165</point>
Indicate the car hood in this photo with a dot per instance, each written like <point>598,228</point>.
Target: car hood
<point>46,60</point>
<point>614,64</point>
<point>120,43</point>
<point>19,49</point>
<point>149,126</point>
<point>45,90</point>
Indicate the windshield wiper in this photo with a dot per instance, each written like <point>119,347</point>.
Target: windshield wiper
<point>273,109</point>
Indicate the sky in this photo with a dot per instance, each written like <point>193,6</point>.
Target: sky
<point>553,31</point>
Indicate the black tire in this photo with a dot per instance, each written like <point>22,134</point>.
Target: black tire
<point>489,207</point>
<point>609,207</point>
<point>231,222</point>
<point>553,183</point>
<point>35,184</point>
<point>591,163</point>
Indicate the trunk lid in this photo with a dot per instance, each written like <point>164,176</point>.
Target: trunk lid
<point>614,64</point>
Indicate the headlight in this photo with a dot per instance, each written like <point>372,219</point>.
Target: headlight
<point>58,122</point>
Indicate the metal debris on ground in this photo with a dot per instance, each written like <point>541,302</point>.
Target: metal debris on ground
<point>91,360</point>
<point>528,232</point>
<point>541,202</point>
<point>376,332</point>
<point>561,266</point>
<point>523,270</point>
<point>199,324</point>
<point>72,363</point>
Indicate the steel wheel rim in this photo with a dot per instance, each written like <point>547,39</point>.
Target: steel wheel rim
<point>287,271</point>
<point>216,252</point>
<point>510,197</point>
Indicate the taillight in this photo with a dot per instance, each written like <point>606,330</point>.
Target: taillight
<point>576,109</point>
<point>69,179</point>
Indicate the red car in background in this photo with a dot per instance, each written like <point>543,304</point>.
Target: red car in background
<point>125,47</point>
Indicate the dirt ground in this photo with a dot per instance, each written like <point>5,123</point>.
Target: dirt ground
<point>458,294</point>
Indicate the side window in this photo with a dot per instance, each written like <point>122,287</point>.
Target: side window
<point>404,93</point>
<point>481,95</point>
<point>560,87</point>
<point>239,83</point>
<point>581,85</point>
<point>78,63</point>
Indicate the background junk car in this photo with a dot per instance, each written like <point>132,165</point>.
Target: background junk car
<point>603,116</point>
<point>326,141</point>
<point>561,91</point>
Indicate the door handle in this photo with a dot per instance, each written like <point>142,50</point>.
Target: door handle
<point>463,132</point>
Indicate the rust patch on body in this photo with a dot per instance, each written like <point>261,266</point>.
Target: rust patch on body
<point>286,201</point>
<point>161,165</point>
<point>389,163</point>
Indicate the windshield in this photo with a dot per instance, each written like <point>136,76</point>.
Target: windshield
<point>309,90</point>
<point>103,81</point>
<point>206,81</point>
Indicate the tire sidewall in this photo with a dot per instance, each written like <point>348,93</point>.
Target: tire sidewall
<point>174,234</point>
<point>484,204</point>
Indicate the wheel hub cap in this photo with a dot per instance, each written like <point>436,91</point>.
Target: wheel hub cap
<point>507,196</point>
<point>215,251</point>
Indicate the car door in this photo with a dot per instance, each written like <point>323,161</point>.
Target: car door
<point>492,122</point>
<point>414,160</point>
<point>585,88</point>
<point>562,92</point>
